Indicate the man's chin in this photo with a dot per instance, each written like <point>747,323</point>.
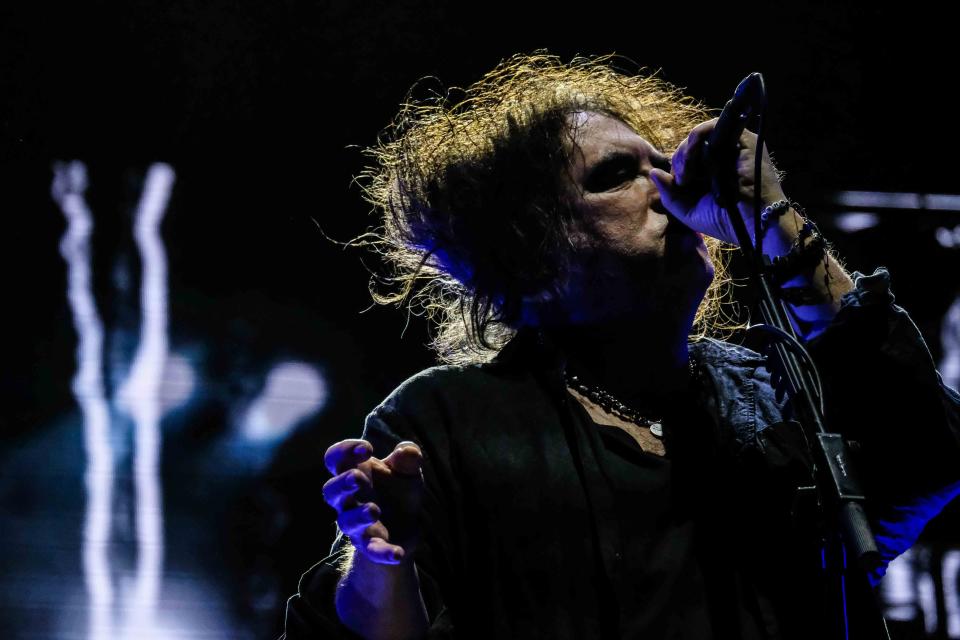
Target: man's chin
<point>692,271</point>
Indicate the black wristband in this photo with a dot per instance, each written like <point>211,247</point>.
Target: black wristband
<point>801,256</point>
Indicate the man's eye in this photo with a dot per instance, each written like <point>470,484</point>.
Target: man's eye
<point>610,175</point>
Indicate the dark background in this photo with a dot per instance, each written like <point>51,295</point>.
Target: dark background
<point>260,108</point>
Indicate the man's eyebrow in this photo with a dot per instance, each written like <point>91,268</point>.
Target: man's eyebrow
<point>657,158</point>
<point>612,156</point>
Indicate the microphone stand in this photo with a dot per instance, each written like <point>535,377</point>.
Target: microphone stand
<point>838,487</point>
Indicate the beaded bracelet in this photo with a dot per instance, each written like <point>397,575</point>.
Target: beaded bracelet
<point>801,256</point>
<point>772,212</point>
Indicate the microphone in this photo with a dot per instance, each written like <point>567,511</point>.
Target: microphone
<point>721,146</point>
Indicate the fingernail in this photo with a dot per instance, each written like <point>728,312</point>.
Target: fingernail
<point>361,451</point>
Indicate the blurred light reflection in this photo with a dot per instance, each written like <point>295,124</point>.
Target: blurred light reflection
<point>68,189</point>
<point>140,394</point>
<point>292,391</point>
<point>155,382</point>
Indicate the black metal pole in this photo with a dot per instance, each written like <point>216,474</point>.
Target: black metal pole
<point>837,484</point>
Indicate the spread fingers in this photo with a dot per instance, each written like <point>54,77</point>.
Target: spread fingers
<point>340,490</point>
<point>355,522</point>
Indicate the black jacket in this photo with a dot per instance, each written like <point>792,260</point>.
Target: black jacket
<point>520,524</point>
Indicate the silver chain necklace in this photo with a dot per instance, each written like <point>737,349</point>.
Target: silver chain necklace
<point>612,405</point>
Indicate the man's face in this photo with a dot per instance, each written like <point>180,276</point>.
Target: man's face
<point>629,236</point>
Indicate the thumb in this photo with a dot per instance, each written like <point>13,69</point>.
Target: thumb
<point>666,184</point>
<point>663,180</point>
<point>405,459</point>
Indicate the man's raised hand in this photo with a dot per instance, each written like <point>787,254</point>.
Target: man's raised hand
<point>377,501</point>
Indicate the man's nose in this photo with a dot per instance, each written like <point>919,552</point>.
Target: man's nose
<point>653,197</point>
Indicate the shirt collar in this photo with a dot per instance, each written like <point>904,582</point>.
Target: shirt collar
<point>532,346</point>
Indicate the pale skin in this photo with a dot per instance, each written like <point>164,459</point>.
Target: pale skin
<point>625,313</point>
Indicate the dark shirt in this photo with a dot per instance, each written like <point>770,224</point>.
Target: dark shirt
<point>538,524</point>
<point>664,594</point>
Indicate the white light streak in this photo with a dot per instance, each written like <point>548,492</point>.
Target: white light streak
<point>927,592</point>
<point>950,343</point>
<point>899,590</point>
<point>878,199</point>
<point>951,592</point>
<point>293,390</point>
<point>897,200</point>
<point>941,202</point>
<point>154,383</point>
<point>140,395</point>
<point>69,186</point>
